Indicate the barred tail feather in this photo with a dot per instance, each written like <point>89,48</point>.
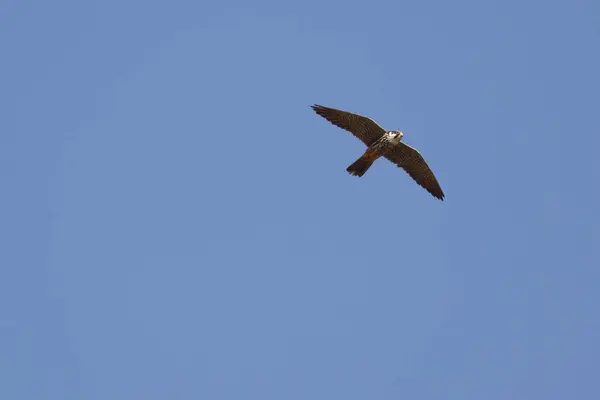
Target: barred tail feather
<point>360,166</point>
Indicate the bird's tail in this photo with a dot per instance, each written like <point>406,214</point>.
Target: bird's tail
<point>360,166</point>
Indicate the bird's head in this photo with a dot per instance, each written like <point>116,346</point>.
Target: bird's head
<point>396,135</point>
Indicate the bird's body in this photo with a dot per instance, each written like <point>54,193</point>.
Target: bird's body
<point>382,143</point>
<point>380,147</point>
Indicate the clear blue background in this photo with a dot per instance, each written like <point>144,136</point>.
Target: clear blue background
<point>177,223</point>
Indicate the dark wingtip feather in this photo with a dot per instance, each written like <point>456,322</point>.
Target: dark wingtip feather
<point>320,110</point>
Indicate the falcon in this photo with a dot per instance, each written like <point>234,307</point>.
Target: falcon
<point>382,143</point>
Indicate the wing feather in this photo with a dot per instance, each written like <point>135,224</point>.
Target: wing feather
<point>362,127</point>
<point>415,165</point>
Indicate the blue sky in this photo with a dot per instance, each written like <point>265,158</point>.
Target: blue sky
<point>178,223</point>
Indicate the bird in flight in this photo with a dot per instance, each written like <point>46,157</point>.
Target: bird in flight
<point>382,143</point>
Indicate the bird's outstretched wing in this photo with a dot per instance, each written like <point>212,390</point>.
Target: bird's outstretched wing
<point>363,128</point>
<point>414,164</point>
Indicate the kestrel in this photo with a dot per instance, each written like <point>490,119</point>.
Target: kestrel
<point>382,143</point>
